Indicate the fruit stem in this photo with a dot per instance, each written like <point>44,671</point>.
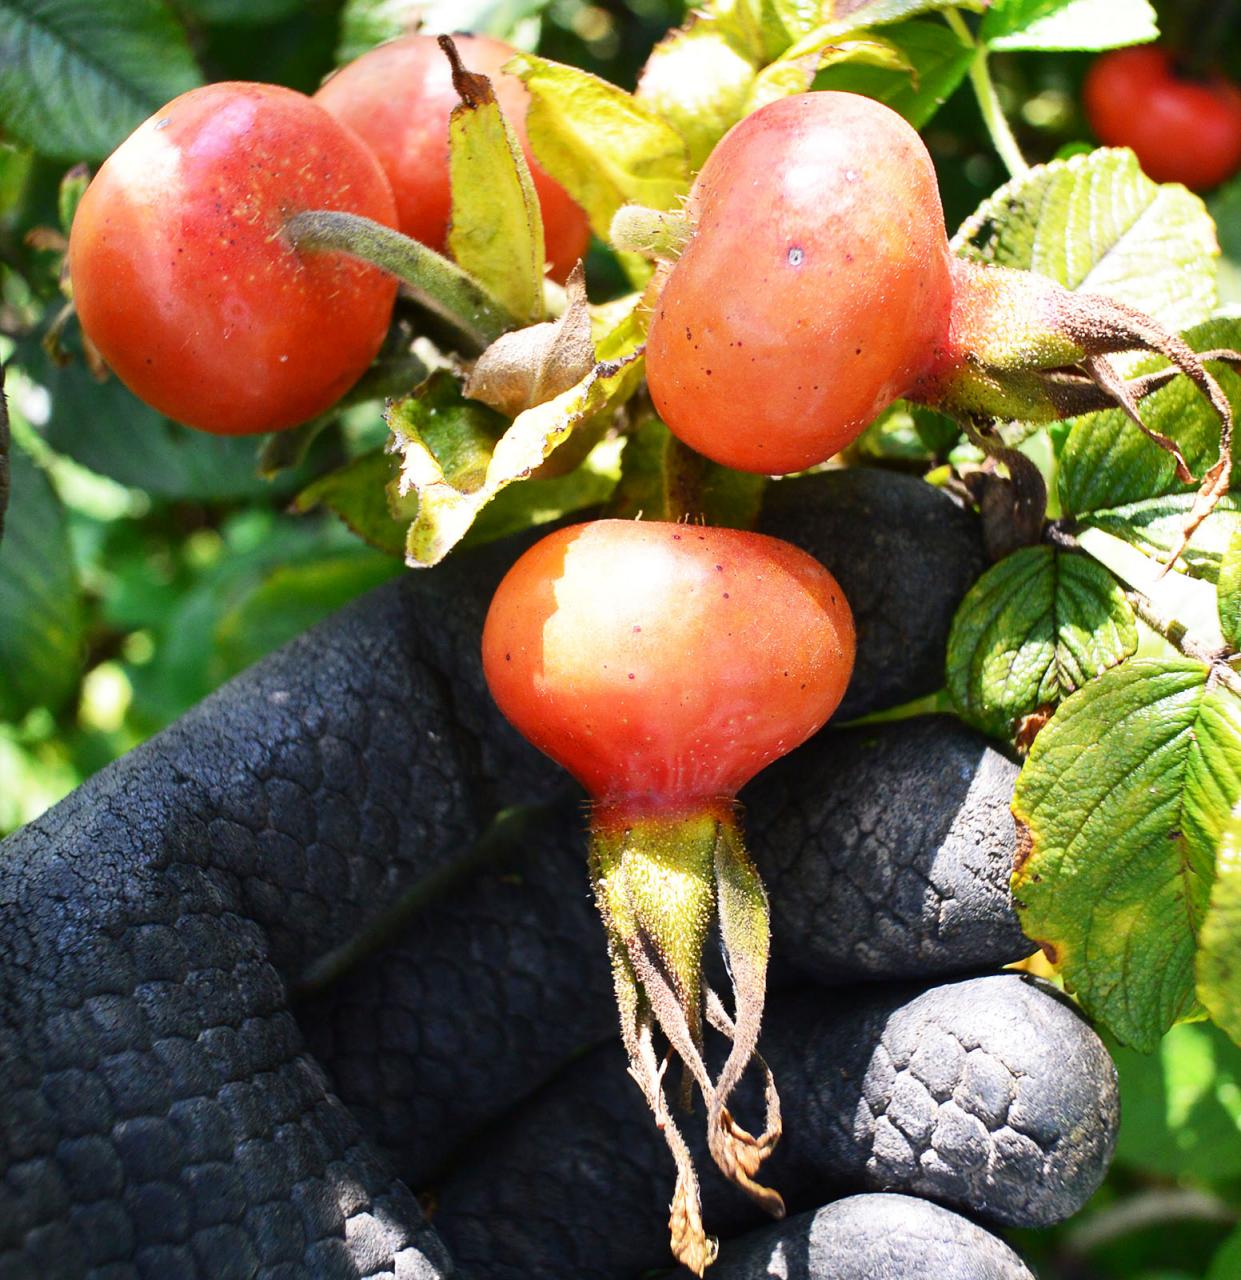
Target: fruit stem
<point>988,100</point>
<point>437,284</point>
<point>652,233</point>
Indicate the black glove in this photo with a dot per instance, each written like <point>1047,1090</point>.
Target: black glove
<point>164,1113</point>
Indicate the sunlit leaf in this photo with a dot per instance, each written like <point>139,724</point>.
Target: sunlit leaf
<point>937,61</point>
<point>496,229</point>
<point>1106,462</point>
<point>1032,630</point>
<point>1068,24</point>
<point>1228,584</point>
<point>698,80</point>
<point>1219,955</point>
<point>1121,806</point>
<point>600,143</point>
<point>457,455</point>
<point>1096,223</point>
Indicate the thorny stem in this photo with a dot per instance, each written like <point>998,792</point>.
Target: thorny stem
<point>438,284</point>
<point>988,100</point>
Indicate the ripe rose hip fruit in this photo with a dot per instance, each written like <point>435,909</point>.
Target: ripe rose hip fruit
<point>184,281</point>
<point>813,291</point>
<point>1182,129</point>
<point>664,665</point>
<point>814,285</point>
<point>398,98</point>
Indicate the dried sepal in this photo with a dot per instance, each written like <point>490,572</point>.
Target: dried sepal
<point>660,883</point>
<point>530,366</point>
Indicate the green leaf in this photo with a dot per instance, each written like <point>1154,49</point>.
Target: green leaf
<point>939,60</point>
<point>457,455</point>
<point>1096,223</point>
<point>496,229</point>
<point>663,479</point>
<point>357,495</point>
<point>1219,940</point>
<point>1228,584</point>
<point>81,75</point>
<point>366,23</point>
<point>1154,526</point>
<point>107,429</point>
<point>1182,1106</point>
<point>1226,1264</point>
<point>1068,24</point>
<point>1120,808</point>
<point>1106,462</point>
<point>795,70</point>
<point>1032,630</point>
<point>871,12</point>
<point>40,599</point>
<point>698,81</point>
<point>600,143</point>
<point>1224,206</point>
<point>293,597</point>
<point>543,499</point>
<point>241,12</point>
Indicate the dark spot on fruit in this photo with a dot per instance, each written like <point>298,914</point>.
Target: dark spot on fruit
<point>676,537</point>
<point>726,595</point>
<point>857,351</point>
<point>719,568</point>
<point>637,629</point>
<point>848,256</point>
<point>708,373</point>
<point>508,657</point>
<point>797,256</point>
<point>631,675</point>
<point>689,333</point>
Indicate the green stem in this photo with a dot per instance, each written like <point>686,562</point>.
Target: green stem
<point>988,100</point>
<point>653,233</point>
<point>438,284</point>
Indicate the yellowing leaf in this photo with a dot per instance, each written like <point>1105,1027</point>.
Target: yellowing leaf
<point>698,81</point>
<point>456,461</point>
<point>496,233</point>
<point>600,143</point>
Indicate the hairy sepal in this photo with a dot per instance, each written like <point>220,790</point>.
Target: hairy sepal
<point>661,881</point>
<point>1022,347</point>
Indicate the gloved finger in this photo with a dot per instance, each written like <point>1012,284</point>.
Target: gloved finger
<point>991,1095</point>
<point>886,852</point>
<point>904,552</point>
<point>871,1237</point>
<point>485,994</point>
<point>169,899</point>
<point>160,1111</point>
